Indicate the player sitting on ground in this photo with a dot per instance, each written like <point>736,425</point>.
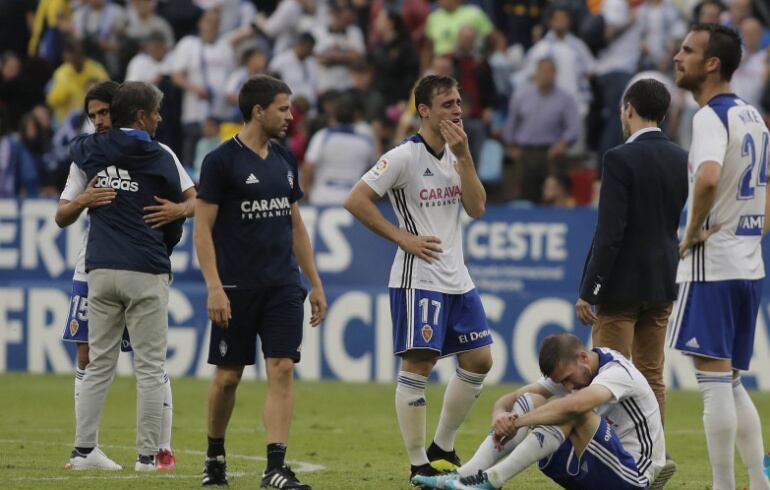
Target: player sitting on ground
<point>602,431</point>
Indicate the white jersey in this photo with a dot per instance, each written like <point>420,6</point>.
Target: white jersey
<point>633,411</point>
<point>426,195</point>
<point>76,184</point>
<point>733,134</point>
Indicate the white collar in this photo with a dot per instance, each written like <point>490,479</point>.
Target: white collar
<point>634,136</point>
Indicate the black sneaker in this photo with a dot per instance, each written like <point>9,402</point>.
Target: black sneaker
<point>282,477</point>
<point>443,460</point>
<point>215,472</point>
<point>423,470</point>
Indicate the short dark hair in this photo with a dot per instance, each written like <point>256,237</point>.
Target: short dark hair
<point>650,99</point>
<point>132,97</point>
<point>259,90</point>
<point>724,43</point>
<point>306,38</point>
<point>102,91</point>
<point>430,85</point>
<point>558,348</point>
<point>345,109</point>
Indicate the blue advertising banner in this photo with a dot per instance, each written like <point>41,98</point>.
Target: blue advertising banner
<point>526,265</point>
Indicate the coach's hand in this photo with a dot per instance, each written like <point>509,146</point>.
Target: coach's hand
<point>455,137</point>
<point>318,305</point>
<point>426,248</point>
<point>585,312</point>
<point>218,306</point>
<point>163,213</point>
<point>692,239</point>
<point>93,197</point>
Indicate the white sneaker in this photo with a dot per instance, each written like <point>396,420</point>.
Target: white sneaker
<point>95,460</point>
<point>145,463</point>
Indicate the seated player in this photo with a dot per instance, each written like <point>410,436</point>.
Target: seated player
<point>603,429</point>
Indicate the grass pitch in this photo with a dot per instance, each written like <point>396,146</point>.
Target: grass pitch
<point>345,433</point>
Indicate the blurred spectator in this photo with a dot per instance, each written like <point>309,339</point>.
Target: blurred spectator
<point>478,89</point>
<point>143,21</point>
<point>16,16</point>
<point>336,157</point>
<point>9,158</point>
<point>709,12</point>
<point>101,26</point>
<point>519,18</point>
<point>52,22</point>
<point>369,103</point>
<point>253,62</point>
<point>444,24</point>
<point>298,68</point>
<point>737,12</point>
<point>338,45</point>
<point>19,92</point>
<point>662,31</point>
<point>394,57</point>
<point>153,62</point>
<point>749,79</point>
<point>290,19</point>
<point>542,122</point>
<point>574,62</point>
<point>414,14</point>
<point>36,178</point>
<point>235,13</point>
<point>72,79</point>
<point>182,16</point>
<point>557,190</point>
<point>208,142</point>
<point>616,64</point>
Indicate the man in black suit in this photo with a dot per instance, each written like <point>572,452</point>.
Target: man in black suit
<point>630,270</point>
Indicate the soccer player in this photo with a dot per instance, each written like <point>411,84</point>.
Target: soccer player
<point>436,311</point>
<point>128,265</point>
<point>76,197</point>
<point>250,237</point>
<point>602,430</point>
<point>720,272</point>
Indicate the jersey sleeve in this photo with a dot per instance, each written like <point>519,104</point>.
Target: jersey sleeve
<point>617,379</point>
<point>552,387</point>
<point>212,185</point>
<point>184,178</point>
<point>709,139</point>
<point>389,172</point>
<point>76,183</point>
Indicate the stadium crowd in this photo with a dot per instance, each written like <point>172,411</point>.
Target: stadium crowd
<point>541,79</point>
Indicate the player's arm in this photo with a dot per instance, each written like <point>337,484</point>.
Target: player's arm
<point>218,305</point>
<point>474,196</point>
<point>703,196</point>
<point>304,253</point>
<point>361,204</point>
<point>165,211</point>
<point>85,196</point>
<point>565,409</point>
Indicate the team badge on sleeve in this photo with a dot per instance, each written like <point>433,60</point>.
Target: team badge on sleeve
<point>74,325</point>
<point>380,168</point>
<point>427,332</point>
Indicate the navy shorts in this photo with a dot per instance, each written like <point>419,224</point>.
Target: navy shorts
<point>605,463</point>
<point>274,314</point>
<point>716,320</point>
<point>445,323</point>
<point>76,328</point>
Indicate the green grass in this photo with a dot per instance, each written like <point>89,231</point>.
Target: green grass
<point>350,429</point>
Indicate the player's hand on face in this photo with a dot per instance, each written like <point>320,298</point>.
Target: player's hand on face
<point>426,248</point>
<point>94,197</point>
<point>690,241</point>
<point>455,137</point>
<point>318,306</point>
<point>218,306</point>
<point>163,213</point>
<point>585,312</point>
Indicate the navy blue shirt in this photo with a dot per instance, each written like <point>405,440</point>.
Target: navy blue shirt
<point>252,232</point>
<point>138,169</point>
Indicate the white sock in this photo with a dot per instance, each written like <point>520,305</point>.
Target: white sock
<point>487,455</point>
<point>461,393</point>
<point>79,373</point>
<point>167,416</point>
<point>749,437</point>
<point>720,425</point>
<point>410,410</point>
<point>540,443</point>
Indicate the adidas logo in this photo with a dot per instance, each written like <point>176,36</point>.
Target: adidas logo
<point>427,173</point>
<point>251,179</point>
<point>117,178</point>
<point>420,402</point>
<point>540,438</point>
<point>693,343</point>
